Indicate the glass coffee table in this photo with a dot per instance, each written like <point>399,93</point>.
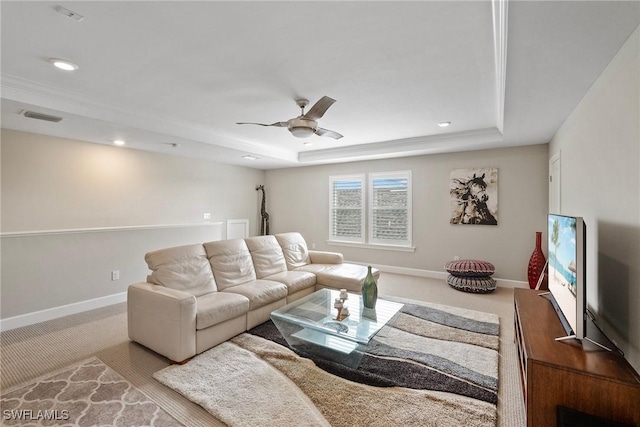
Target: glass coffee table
<point>310,325</point>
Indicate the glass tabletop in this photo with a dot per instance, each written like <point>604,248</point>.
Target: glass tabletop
<point>316,319</point>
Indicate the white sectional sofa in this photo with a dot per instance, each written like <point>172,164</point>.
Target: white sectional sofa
<point>200,295</point>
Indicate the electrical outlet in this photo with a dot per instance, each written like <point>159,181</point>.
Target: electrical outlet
<point>115,275</point>
<point>456,258</point>
<point>313,246</point>
<point>206,215</point>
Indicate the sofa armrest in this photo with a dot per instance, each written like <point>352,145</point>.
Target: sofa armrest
<point>163,320</point>
<point>323,257</point>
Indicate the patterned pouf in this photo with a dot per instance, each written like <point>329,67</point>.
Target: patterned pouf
<point>471,275</point>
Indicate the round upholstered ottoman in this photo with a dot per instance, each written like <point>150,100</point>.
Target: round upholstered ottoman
<point>480,285</point>
<point>471,275</point>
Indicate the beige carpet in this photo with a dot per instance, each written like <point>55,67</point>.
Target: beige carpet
<point>435,370</point>
<point>29,352</point>
<point>87,394</point>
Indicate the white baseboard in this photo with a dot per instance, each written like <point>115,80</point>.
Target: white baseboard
<point>63,310</point>
<point>505,283</point>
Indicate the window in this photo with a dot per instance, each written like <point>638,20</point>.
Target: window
<point>347,208</point>
<point>388,209</point>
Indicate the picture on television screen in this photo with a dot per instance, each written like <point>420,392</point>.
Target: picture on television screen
<point>566,267</point>
<point>562,252</point>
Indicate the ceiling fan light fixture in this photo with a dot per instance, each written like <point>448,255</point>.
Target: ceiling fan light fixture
<point>301,127</point>
<point>301,132</point>
<point>444,124</point>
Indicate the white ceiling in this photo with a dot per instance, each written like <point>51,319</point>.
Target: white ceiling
<point>163,73</point>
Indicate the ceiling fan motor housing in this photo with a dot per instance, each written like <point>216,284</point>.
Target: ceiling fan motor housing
<point>302,127</point>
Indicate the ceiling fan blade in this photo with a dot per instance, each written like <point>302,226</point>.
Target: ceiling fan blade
<point>279,124</point>
<point>329,133</point>
<point>320,107</point>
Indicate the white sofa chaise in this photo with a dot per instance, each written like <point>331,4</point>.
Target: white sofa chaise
<point>200,295</point>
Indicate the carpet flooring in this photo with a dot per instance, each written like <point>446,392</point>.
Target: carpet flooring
<point>35,350</point>
<point>434,365</point>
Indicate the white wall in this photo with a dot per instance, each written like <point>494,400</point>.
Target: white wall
<point>298,200</point>
<point>53,184</point>
<point>599,146</point>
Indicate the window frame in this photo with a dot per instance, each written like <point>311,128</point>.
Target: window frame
<point>366,225</point>
<point>363,231</point>
<point>370,208</point>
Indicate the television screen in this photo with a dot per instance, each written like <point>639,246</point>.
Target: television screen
<point>567,263</point>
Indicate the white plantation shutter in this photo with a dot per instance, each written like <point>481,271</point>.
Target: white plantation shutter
<point>390,208</point>
<point>346,214</point>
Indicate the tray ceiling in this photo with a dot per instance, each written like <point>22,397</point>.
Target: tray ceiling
<point>175,77</point>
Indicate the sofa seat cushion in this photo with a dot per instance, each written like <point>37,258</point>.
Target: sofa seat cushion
<point>316,268</point>
<point>183,268</point>
<point>345,276</point>
<point>218,307</point>
<point>294,280</point>
<point>259,292</point>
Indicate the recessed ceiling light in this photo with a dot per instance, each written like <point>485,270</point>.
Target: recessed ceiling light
<point>308,143</point>
<point>444,124</point>
<point>63,64</point>
<point>249,157</point>
<point>119,142</point>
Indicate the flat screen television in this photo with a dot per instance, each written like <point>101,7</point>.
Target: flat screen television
<point>567,237</point>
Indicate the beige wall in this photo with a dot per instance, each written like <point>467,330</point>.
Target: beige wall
<point>53,184</point>
<point>599,146</point>
<point>298,199</point>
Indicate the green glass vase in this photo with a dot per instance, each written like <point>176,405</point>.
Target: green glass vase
<point>369,290</point>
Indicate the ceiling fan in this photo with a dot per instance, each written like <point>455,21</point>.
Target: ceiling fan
<point>306,125</point>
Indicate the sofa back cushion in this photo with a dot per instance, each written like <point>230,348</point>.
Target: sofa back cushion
<point>184,268</point>
<point>267,255</point>
<point>231,262</point>
<point>294,248</point>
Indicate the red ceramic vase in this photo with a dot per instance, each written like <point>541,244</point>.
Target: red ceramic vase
<point>536,262</point>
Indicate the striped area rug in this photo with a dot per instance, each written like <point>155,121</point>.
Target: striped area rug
<point>428,347</point>
<point>433,365</point>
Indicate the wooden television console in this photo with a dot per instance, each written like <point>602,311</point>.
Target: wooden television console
<point>571,374</point>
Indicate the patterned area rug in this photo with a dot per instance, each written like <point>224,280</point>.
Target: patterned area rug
<point>87,394</point>
<point>433,365</point>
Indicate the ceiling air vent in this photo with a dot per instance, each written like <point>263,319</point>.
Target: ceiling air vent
<point>40,116</point>
<point>69,13</point>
